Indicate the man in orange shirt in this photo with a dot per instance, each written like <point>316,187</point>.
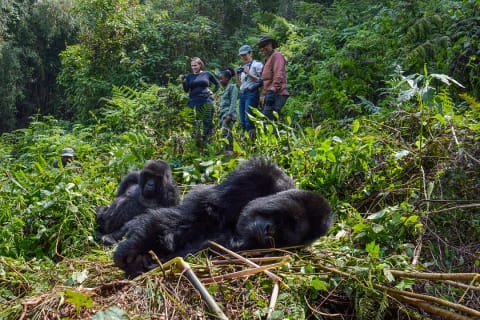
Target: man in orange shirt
<point>275,94</point>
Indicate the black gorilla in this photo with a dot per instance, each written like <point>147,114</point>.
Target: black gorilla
<point>256,206</point>
<point>285,219</point>
<point>205,210</point>
<point>151,187</point>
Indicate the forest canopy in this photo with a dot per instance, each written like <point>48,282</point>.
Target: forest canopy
<point>61,58</point>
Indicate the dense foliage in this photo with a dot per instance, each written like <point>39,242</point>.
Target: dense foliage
<point>340,53</point>
<point>383,120</point>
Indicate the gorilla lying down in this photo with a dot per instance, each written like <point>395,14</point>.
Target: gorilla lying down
<point>151,187</point>
<point>257,206</point>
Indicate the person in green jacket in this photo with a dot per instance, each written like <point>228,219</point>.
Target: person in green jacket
<point>227,111</point>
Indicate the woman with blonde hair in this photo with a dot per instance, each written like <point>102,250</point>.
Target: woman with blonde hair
<point>197,83</point>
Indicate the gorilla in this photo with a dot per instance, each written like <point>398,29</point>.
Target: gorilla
<point>257,206</point>
<point>285,219</point>
<point>151,187</point>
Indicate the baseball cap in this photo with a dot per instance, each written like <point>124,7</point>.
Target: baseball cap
<point>263,39</point>
<point>67,152</point>
<point>244,49</point>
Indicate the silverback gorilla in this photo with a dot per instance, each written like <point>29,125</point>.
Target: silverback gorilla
<point>151,187</point>
<point>257,206</point>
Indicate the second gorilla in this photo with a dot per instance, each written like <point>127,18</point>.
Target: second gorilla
<point>257,206</point>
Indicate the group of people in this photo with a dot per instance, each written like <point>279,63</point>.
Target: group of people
<point>261,84</point>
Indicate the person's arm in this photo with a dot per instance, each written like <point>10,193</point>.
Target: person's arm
<point>214,81</point>
<point>186,83</point>
<point>255,71</point>
<point>233,102</point>
<point>279,73</point>
<point>239,78</point>
<point>259,70</point>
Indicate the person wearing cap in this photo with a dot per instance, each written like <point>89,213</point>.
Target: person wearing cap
<point>274,76</point>
<point>197,84</point>
<point>67,157</point>
<point>248,76</point>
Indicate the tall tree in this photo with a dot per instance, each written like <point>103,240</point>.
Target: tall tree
<point>34,33</point>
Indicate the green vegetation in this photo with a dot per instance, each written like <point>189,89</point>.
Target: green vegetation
<point>384,120</point>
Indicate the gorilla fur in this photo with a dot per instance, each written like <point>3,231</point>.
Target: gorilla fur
<point>257,206</point>
<point>285,219</point>
<point>151,187</point>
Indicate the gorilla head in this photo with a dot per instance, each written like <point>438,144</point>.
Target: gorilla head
<point>288,218</point>
<point>155,182</point>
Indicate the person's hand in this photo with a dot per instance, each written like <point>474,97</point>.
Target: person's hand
<point>182,77</point>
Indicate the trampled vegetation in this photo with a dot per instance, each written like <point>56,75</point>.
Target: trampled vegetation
<point>383,121</point>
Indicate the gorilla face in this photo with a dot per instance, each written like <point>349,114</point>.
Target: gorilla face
<point>155,179</point>
<point>265,224</point>
<point>149,188</point>
<point>288,218</point>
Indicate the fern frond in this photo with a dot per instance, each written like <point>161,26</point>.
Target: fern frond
<point>423,28</point>
<point>471,101</point>
<point>265,29</point>
<point>427,49</point>
<point>382,307</point>
<point>446,104</point>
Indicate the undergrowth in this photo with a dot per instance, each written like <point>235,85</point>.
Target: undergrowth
<point>403,183</point>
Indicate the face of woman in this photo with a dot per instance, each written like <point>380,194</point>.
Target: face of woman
<point>224,80</point>
<point>266,49</point>
<point>246,57</point>
<point>196,67</point>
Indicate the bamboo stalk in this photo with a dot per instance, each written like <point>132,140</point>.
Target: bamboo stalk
<point>422,297</point>
<point>273,299</point>
<point>243,273</point>
<point>462,285</point>
<point>445,314</point>
<point>190,275</point>
<point>274,277</point>
<point>437,276</point>
<point>238,261</point>
<point>247,261</point>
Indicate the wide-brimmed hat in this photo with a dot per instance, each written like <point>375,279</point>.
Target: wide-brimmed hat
<point>67,152</point>
<point>244,49</point>
<point>265,38</point>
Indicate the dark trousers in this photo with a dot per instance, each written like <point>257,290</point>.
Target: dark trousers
<point>204,116</point>
<point>272,104</point>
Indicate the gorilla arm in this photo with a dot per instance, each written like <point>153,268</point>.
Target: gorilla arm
<point>149,231</point>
